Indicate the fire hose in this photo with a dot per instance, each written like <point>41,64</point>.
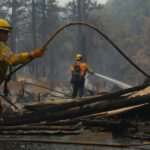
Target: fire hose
<point>9,101</point>
<point>58,31</point>
<point>96,29</point>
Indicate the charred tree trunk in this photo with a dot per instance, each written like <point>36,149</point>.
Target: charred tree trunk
<point>13,37</point>
<point>34,64</point>
<point>42,68</point>
<point>79,28</point>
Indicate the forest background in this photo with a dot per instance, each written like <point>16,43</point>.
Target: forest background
<point>126,23</point>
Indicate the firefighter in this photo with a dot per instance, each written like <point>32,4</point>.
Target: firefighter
<point>8,58</point>
<point>78,71</point>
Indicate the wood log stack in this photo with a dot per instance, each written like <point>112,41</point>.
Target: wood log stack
<point>103,111</point>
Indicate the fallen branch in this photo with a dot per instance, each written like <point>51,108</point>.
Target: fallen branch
<point>41,132</point>
<point>113,112</point>
<point>74,142</point>
<point>69,128</point>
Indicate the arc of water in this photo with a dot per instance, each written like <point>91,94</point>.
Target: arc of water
<point>121,84</point>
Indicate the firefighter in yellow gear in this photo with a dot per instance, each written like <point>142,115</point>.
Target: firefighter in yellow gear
<point>7,57</point>
<point>78,71</point>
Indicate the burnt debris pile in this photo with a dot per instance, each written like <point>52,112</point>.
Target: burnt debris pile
<point>126,111</point>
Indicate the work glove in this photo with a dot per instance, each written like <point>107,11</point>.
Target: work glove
<point>37,53</point>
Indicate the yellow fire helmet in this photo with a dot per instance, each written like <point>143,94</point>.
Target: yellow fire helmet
<point>78,57</point>
<point>4,25</point>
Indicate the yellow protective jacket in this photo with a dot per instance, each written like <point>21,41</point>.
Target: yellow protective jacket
<point>84,68</point>
<point>8,58</point>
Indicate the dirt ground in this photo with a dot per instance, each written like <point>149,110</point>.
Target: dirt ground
<point>15,86</point>
<point>87,136</point>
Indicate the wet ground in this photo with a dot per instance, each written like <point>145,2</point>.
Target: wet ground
<point>87,136</point>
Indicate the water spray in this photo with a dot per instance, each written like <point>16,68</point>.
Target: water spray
<point>121,84</point>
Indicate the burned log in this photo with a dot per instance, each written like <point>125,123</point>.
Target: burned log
<point>68,128</point>
<point>77,111</point>
<point>35,130</point>
<point>82,101</point>
<point>41,132</point>
<point>80,107</point>
<point>112,112</point>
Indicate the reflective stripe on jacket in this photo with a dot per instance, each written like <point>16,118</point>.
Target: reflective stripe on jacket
<point>8,58</point>
<point>84,68</point>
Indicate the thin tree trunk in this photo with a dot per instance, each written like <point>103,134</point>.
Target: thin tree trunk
<point>13,37</point>
<point>34,64</point>
<point>42,66</point>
